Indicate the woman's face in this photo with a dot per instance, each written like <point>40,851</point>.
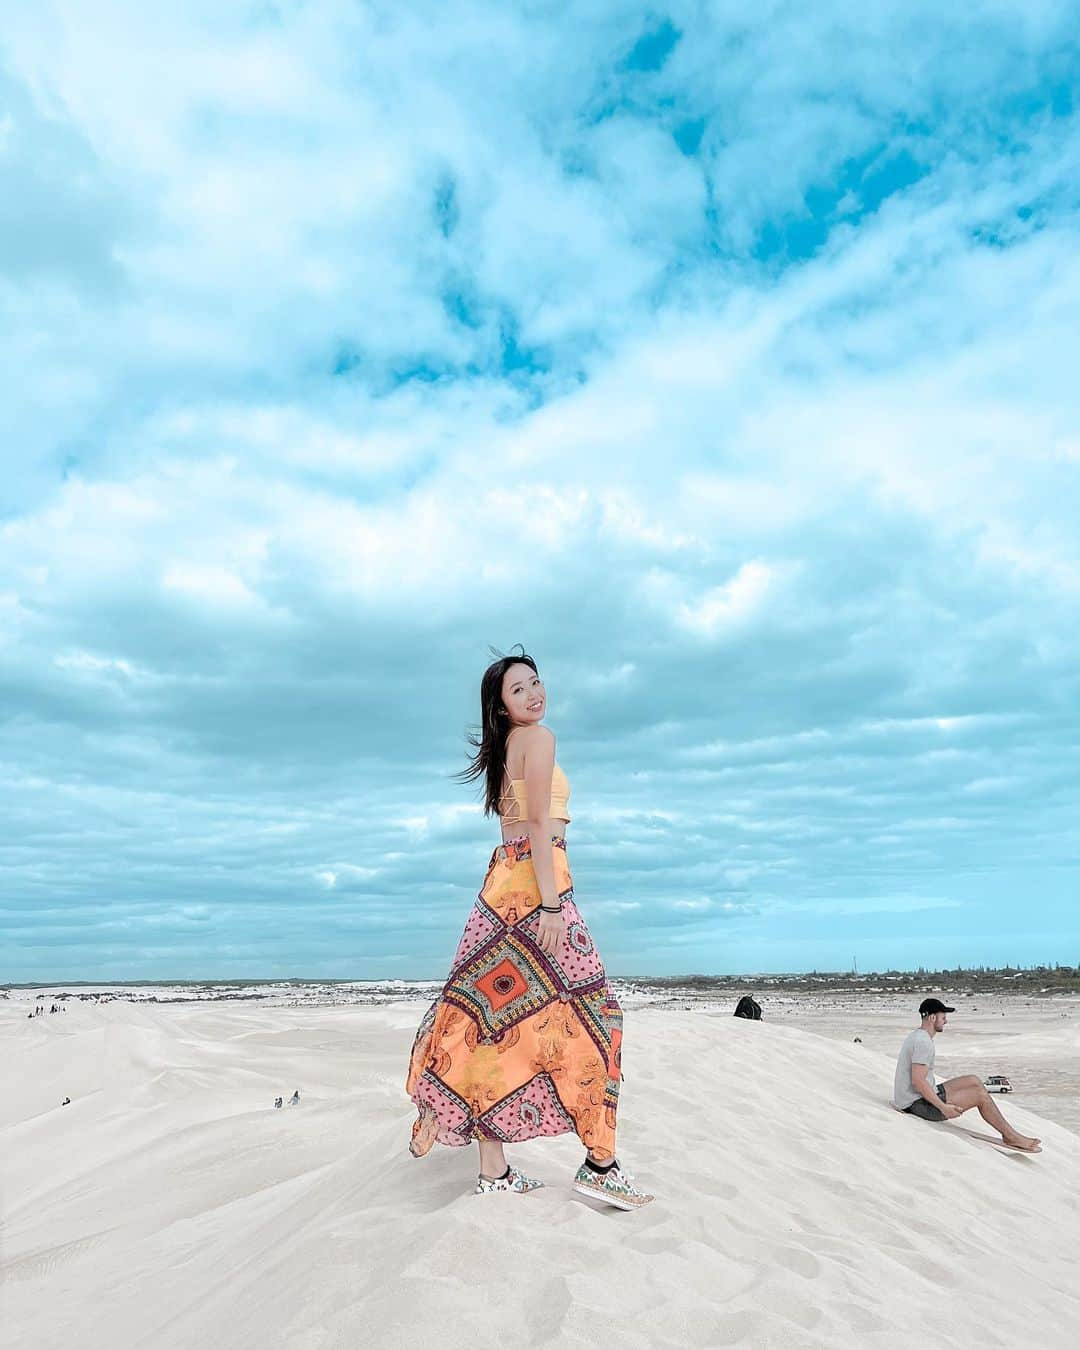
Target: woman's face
<point>523,695</point>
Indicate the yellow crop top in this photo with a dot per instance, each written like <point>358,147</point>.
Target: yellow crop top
<point>513,806</point>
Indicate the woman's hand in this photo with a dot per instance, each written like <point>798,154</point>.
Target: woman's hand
<point>551,932</point>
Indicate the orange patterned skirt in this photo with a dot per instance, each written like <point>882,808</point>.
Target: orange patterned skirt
<point>519,1043</point>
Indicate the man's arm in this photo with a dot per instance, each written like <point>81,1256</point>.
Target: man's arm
<point>921,1084</point>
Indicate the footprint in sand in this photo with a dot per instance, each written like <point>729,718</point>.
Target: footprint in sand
<point>799,1261</point>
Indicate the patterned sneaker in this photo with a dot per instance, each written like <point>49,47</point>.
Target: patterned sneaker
<point>615,1186</point>
<point>513,1181</point>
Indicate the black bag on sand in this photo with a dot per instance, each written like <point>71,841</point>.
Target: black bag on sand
<point>746,1007</point>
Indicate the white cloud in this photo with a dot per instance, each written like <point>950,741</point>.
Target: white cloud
<point>213,585</point>
<point>346,876</point>
<point>723,607</point>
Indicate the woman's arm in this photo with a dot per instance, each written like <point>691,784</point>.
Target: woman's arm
<point>539,763</point>
<point>539,748</point>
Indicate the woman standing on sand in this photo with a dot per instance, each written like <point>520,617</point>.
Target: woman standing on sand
<point>524,1039</point>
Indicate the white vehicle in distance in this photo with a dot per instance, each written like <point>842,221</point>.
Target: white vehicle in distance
<point>997,1082</point>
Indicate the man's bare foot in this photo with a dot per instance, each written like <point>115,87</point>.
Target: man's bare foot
<point>1023,1141</point>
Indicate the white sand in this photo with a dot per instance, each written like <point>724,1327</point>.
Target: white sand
<point>170,1207</point>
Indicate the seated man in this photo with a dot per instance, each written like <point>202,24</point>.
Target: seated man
<point>914,1090</point>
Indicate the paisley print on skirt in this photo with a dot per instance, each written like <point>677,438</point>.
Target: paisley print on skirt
<point>519,1043</point>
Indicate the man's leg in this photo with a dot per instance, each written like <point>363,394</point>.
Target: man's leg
<point>968,1091</point>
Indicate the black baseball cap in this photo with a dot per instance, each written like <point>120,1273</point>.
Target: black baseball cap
<point>933,1005</point>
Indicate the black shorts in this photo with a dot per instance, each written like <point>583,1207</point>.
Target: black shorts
<point>921,1107</point>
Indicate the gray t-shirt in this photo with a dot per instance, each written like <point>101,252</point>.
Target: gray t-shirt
<point>918,1048</point>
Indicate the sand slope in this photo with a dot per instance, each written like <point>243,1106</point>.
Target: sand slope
<point>171,1207</point>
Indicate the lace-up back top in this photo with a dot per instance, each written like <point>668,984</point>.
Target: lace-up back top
<point>513,807</point>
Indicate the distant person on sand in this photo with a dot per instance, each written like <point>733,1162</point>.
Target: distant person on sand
<point>914,1090</point>
<point>524,1039</point>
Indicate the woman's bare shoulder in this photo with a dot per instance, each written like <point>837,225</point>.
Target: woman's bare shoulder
<point>534,735</point>
<point>526,742</point>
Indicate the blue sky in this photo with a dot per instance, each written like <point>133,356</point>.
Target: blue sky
<point>725,356</point>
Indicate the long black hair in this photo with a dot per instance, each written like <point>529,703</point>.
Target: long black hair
<point>490,744</point>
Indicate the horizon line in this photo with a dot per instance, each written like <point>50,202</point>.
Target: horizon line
<point>420,979</point>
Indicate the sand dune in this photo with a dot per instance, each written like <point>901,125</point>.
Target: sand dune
<point>171,1207</point>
